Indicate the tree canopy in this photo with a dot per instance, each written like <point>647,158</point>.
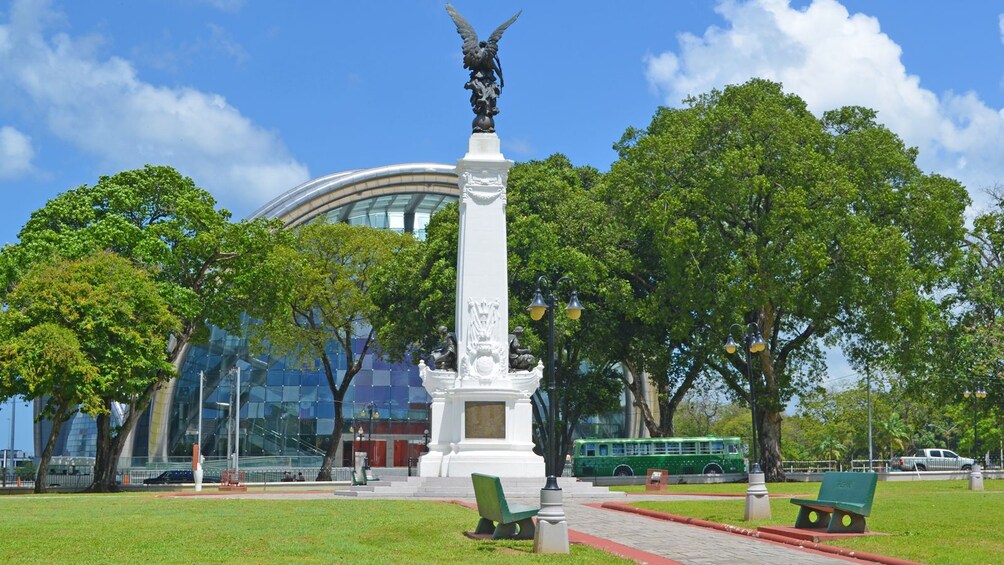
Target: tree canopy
<point>162,222</point>
<point>85,332</point>
<point>315,293</point>
<point>820,231</point>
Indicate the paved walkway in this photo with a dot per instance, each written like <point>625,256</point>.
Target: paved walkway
<point>687,544</point>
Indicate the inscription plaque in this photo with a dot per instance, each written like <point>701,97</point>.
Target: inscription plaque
<point>484,420</point>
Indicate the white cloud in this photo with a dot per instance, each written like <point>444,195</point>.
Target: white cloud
<point>102,107</point>
<point>16,153</point>
<point>1000,25</point>
<point>832,58</point>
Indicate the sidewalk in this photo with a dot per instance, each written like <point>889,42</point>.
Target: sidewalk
<point>669,542</point>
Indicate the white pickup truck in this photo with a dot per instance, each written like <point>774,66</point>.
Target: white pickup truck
<point>931,460</point>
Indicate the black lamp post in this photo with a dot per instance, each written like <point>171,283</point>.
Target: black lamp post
<point>977,395</point>
<point>426,436</point>
<point>371,412</point>
<point>537,309</point>
<point>754,343</point>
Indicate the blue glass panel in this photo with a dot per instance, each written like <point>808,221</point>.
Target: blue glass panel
<point>325,426</point>
<point>417,394</point>
<point>399,377</point>
<point>291,378</point>
<point>414,379</point>
<point>380,364</point>
<point>308,393</point>
<point>273,410</point>
<point>290,393</point>
<point>312,378</point>
<point>274,378</point>
<point>381,377</point>
<point>257,393</point>
<point>324,394</point>
<point>363,379</point>
<point>308,410</point>
<point>325,410</point>
<point>256,410</point>
<point>273,394</point>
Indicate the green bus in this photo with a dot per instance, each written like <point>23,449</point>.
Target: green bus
<point>679,455</point>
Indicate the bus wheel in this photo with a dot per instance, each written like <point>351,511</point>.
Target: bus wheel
<point>623,471</point>
<point>713,469</point>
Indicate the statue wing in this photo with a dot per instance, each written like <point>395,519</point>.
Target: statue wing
<point>496,35</point>
<point>469,36</point>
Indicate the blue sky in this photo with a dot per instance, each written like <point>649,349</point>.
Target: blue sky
<point>252,98</point>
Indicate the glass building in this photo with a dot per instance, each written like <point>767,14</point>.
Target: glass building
<point>286,410</point>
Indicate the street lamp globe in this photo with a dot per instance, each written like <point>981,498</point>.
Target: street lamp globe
<point>538,307</point>
<point>574,308</point>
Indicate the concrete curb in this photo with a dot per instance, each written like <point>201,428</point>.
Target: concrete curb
<point>842,552</point>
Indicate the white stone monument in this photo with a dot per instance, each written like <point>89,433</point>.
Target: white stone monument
<point>481,417</point>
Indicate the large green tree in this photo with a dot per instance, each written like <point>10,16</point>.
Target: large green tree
<point>85,332</point>
<point>315,298</point>
<point>821,231</point>
<point>555,227</point>
<point>164,223</point>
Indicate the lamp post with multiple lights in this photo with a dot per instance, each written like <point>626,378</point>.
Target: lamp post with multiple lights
<point>753,342</point>
<point>370,411</point>
<point>976,394</point>
<point>552,530</point>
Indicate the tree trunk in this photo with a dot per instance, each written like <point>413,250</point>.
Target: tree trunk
<point>334,446</point>
<point>106,460</point>
<point>770,447</point>
<point>42,473</point>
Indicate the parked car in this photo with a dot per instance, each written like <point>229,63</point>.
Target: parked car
<point>931,460</point>
<point>177,477</point>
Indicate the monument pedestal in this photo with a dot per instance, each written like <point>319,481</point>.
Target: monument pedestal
<point>481,417</point>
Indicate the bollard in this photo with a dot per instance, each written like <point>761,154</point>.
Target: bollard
<point>976,478</point>
<point>757,501</point>
<point>552,529</point>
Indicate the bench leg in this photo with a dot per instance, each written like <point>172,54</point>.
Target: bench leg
<point>527,529</point>
<point>505,531</point>
<point>856,526</point>
<point>485,526</point>
<point>805,520</point>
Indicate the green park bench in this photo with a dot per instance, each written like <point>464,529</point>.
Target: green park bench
<point>840,495</point>
<point>493,507</point>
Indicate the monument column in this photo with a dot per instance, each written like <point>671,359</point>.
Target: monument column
<point>481,417</point>
<point>482,308</point>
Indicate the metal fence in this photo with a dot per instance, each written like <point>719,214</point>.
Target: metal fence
<point>810,466</point>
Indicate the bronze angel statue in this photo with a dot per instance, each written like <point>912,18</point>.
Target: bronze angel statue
<point>481,57</point>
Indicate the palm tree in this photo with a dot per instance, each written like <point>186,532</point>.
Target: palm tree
<point>893,433</point>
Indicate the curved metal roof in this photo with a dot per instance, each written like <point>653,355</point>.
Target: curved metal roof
<point>405,187</point>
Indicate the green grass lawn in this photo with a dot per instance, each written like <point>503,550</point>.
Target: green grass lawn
<point>141,528</point>
<point>927,521</point>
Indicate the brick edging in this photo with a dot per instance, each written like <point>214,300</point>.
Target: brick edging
<point>843,552</point>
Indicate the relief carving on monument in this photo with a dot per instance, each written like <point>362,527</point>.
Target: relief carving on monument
<point>483,187</point>
<point>485,358</point>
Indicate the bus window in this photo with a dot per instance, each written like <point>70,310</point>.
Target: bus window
<point>717,447</point>
<point>590,449</point>
<point>733,449</point>
<point>689,447</point>
<point>603,450</point>
<point>617,449</point>
<point>659,448</point>
<point>644,449</point>
<point>673,448</point>
<point>703,447</point>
